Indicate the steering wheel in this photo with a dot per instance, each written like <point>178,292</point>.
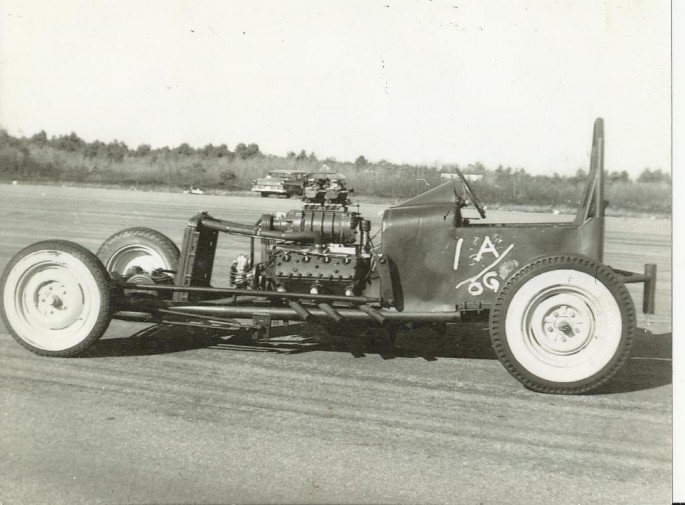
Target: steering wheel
<point>471,194</point>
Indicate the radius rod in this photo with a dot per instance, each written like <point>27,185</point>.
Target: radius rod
<point>317,313</point>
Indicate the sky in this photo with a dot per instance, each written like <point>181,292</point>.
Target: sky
<point>516,82</point>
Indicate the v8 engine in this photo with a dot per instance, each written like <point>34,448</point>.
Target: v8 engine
<point>336,262</point>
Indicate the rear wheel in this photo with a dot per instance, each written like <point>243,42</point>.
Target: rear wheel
<point>563,324</point>
<point>264,194</point>
<point>55,298</point>
<point>138,251</point>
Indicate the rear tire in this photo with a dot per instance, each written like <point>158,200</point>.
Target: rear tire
<point>264,194</point>
<point>55,298</point>
<point>563,324</point>
<point>138,250</point>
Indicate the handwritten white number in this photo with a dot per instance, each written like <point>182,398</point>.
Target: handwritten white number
<point>475,288</point>
<point>457,253</point>
<point>490,281</point>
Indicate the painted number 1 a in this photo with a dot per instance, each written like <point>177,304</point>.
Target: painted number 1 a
<point>486,247</point>
<point>457,253</point>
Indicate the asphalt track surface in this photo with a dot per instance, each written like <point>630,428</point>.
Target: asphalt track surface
<point>159,415</point>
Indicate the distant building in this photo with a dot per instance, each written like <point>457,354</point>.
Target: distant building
<point>468,177</point>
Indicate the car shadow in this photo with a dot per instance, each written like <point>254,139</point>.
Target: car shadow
<point>649,365</point>
<point>157,339</point>
<point>459,341</point>
<point>465,340</point>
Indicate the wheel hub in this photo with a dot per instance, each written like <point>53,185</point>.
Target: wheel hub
<point>562,324</point>
<point>135,259</point>
<point>58,303</point>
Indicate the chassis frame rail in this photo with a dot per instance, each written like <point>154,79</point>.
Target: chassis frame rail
<point>250,292</point>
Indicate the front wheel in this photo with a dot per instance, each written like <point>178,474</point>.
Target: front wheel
<point>55,298</point>
<point>138,251</point>
<point>563,324</point>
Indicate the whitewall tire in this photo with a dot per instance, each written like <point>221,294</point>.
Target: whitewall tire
<point>138,250</point>
<point>55,298</point>
<point>563,324</point>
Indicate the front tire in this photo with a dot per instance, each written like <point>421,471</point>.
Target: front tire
<point>563,324</point>
<point>138,251</point>
<point>55,298</point>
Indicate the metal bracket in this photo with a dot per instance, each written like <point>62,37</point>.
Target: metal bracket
<point>383,269</point>
<point>649,288</point>
<point>261,326</point>
<point>197,257</point>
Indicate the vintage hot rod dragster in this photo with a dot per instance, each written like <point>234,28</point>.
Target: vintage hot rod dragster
<point>560,320</point>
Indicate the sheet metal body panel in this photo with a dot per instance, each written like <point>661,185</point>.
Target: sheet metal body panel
<point>437,265</point>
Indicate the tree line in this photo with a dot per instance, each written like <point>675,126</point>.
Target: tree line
<point>117,151</point>
<point>69,158</point>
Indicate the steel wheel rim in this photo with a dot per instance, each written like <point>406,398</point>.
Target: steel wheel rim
<point>550,343</point>
<point>51,300</point>
<point>559,321</point>
<point>135,259</point>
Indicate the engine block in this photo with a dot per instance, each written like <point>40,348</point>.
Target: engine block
<point>339,270</point>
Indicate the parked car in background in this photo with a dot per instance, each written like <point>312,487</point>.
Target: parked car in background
<point>325,188</point>
<point>280,182</point>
